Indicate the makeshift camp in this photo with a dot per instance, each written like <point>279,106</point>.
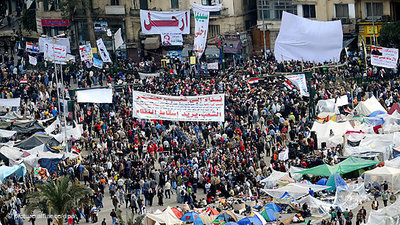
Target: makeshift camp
<point>369,106</point>
<point>381,174</point>
<point>250,221</point>
<point>29,127</point>
<point>260,217</point>
<point>322,181</point>
<point>316,206</point>
<point>167,217</point>
<point>192,217</point>
<point>348,165</point>
<point>7,133</point>
<point>227,216</point>
<point>268,214</point>
<point>9,171</point>
<point>273,206</point>
<point>350,196</point>
<point>178,213</point>
<point>36,140</point>
<point>334,181</point>
<point>385,216</point>
<point>275,177</point>
<point>394,163</point>
<point>293,190</point>
<point>323,131</point>
<point>11,154</point>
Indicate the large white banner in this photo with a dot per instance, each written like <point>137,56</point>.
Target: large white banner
<point>384,57</point>
<point>299,80</point>
<point>85,51</point>
<point>98,95</point>
<point>179,108</point>
<point>155,22</point>
<point>58,41</point>
<point>146,75</point>
<point>169,39</point>
<point>10,102</point>
<point>102,50</point>
<point>201,19</point>
<point>55,53</point>
<point>308,40</point>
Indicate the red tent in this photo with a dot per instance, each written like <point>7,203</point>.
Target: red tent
<point>395,107</point>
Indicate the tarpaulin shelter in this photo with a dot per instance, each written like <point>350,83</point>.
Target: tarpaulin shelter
<point>177,212</point>
<point>316,206</point>
<point>334,181</point>
<point>260,217</point>
<point>268,214</point>
<point>227,216</point>
<point>28,127</point>
<point>369,106</point>
<point>381,174</point>
<point>276,176</point>
<point>167,217</point>
<point>293,190</point>
<point>7,171</point>
<point>250,221</point>
<point>395,107</point>
<point>36,140</point>
<point>322,181</point>
<point>323,131</point>
<point>348,165</point>
<point>192,217</point>
<point>50,164</point>
<point>385,216</point>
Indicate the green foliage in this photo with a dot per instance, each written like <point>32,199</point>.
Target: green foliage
<point>390,35</point>
<point>28,19</point>
<point>68,7</point>
<point>56,197</point>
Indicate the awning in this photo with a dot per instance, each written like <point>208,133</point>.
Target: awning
<point>151,43</point>
<point>232,46</point>
<point>212,52</point>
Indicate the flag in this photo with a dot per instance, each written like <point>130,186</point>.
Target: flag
<point>118,41</point>
<point>23,81</point>
<point>32,60</point>
<point>333,118</point>
<point>29,3</point>
<point>254,80</point>
<point>288,84</point>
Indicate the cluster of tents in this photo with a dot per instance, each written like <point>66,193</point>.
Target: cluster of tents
<point>211,216</point>
<point>32,144</point>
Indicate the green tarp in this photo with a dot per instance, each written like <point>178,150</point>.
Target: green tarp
<point>349,165</point>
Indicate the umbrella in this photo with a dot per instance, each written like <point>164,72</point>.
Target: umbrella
<point>192,217</point>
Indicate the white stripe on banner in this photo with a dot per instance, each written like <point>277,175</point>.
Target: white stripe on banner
<point>146,75</point>
<point>99,95</point>
<point>10,102</point>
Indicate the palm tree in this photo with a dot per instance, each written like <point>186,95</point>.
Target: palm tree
<point>56,197</point>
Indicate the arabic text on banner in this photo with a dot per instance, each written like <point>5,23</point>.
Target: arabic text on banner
<point>86,53</point>
<point>103,51</point>
<point>179,108</point>
<point>384,57</point>
<point>155,22</point>
<point>10,102</point>
<point>32,60</point>
<point>118,41</point>
<point>201,19</point>
<point>59,41</point>
<point>56,53</point>
<point>170,39</point>
<point>299,80</point>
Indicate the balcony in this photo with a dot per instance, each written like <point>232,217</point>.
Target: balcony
<point>115,10</point>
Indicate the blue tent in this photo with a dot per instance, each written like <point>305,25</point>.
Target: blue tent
<point>50,164</point>
<point>250,221</point>
<point>268,215</point>
<point>334,181</point>
<point>225,217</point>
<point>273,206</point>
<point>377,112</point>
<point>192,217</point>
<point>9,171</point>
<point>322,181</point>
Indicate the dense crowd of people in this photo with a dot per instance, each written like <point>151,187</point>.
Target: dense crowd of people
<point>139,160</point>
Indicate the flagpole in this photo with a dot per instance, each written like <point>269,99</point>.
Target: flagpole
<point>64,110</point>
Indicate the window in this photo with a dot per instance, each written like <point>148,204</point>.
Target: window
<point>272,10</point>
<point>174,4</point>
<point>309,11</point>
<point>210,2</point>
<point>114,2</point>
<point>214,30</point>
<point>374,9</point>
<point>144,5</point>
<point>368,41</point>
<point>342,10</point>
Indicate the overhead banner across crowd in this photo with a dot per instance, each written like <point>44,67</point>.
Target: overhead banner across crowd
<point>10,102</point>
<point>98,95</point>
<point>308,40</point>
<point>179,108</point>
<point>155,22</point>
<point>384,57</point>
<point>299,80</point>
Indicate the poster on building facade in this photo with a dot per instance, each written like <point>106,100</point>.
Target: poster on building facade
<point>156,22</point>
<point>201,19</point>
<point>172,39</point>
<point>204,108</point>
<point>384,57</point>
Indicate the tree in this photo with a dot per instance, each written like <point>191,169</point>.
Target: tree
<point>56,197</point>
<point>390,35</point>
<point>28,19</point>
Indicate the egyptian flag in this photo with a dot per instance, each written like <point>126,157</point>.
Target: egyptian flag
<point>23,81</point>
<point>254,80</point>
<point>288,84</point>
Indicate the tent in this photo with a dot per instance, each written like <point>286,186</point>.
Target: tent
<point>192,217</point>
<point>268,215</point>
<point>334,181</point>
<point>273,206</point>
<point>381,174</point>
<point>369,106</point>
<point>394,163</point>
<point>27,127</point>
<point>7,133</point>
<point>322,181</point>
<point>11,154</point>
<point>207,219</point>
<point>7,171</point>
<point>260,217</point>
<point>293,190</point>
<point>386,215</point>
<point>211,211</point>
<point>323,130</point>
<point>177,212</point>
<point>395,107</point>
<point>227,216</point>
<point>276,176</point>
<point>348,165</point>
<point>167,217</point>
<point>250,221</point>
<point>316,206</point>
<point>36,140</point>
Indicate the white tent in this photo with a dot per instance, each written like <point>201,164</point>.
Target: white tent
<point>394,163</point>
<point>294,190</point>
<point>369,106</point>
<point>316,206</point>
<point>385,216</point>
<point>12,153</point>
<point>7,133</point>
<point>381,174</point>
<point>323,130</point>
<point>167,217</point>
<point>276,176</point>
